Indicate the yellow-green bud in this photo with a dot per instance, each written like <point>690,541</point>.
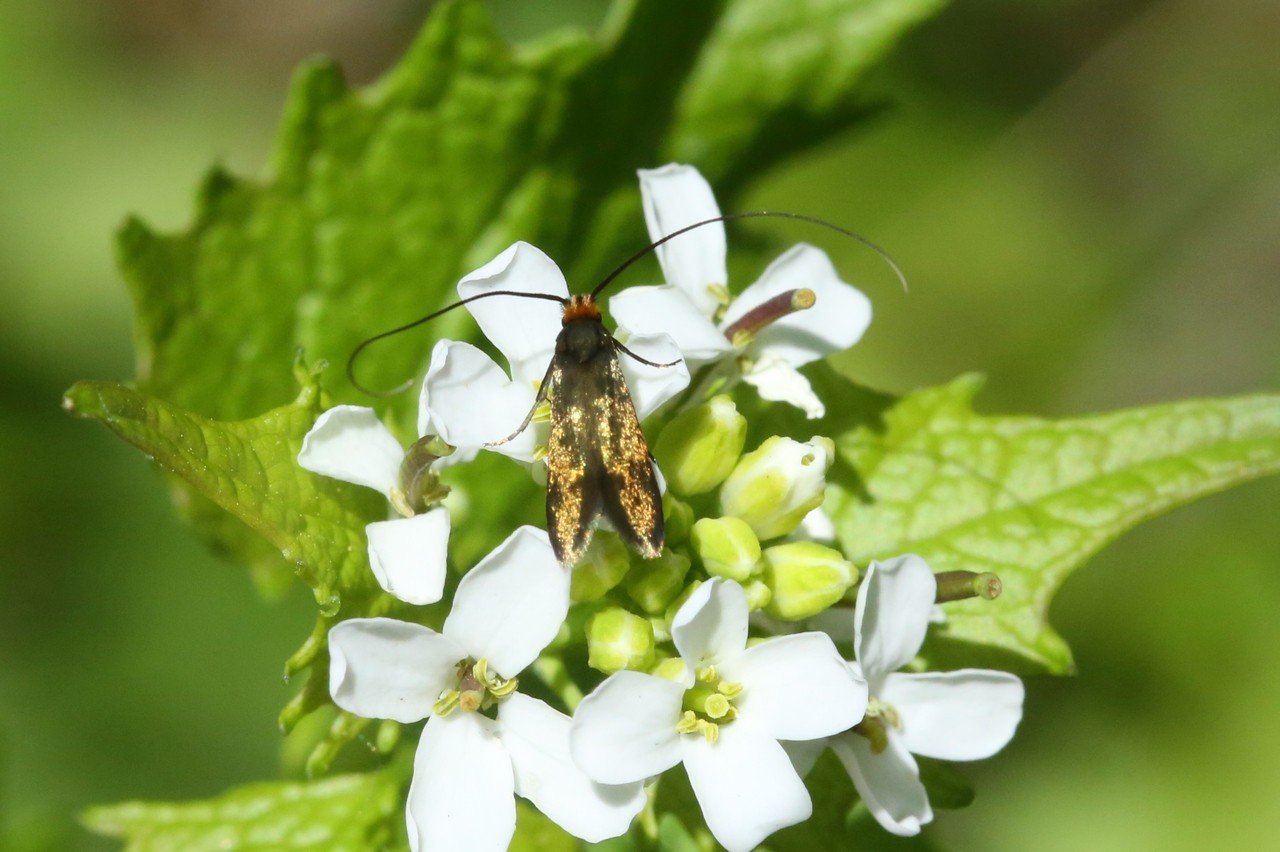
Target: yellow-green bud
<point>758,594</point>
<point>727,547</point>
<point>806,578</point>
<point>700,445</point>
<point>678,517</point>
<point>775,486</point>
<point>600,569</point>
<point>654,582</point>
<point>672,668</point>
<point>617,640</point>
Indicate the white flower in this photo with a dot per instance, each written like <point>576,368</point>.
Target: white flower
<point>469,401</point>
<point>694,266</point>
<point>794,687</point>
<point>961,715</point>
<point>468,766</point>
<point>407,554</point>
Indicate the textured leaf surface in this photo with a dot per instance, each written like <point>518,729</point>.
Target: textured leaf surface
<point>347,812</point>
<point>248,468</point>
<point>1030,499</point>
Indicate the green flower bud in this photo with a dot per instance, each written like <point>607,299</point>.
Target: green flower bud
<point>600,569</point>
<point>805,578</point>
<point>672,668</point>
<point>774,487</point>
<point>727,547</point>
<point>654,582</point>
<point>758,594</point>
<point>700,445</point>
<point>678,517</point>
<point>617,640</point>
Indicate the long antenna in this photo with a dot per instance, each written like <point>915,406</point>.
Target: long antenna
<point>757,214</point>
<point>608,279</point>
<point>408,383</point>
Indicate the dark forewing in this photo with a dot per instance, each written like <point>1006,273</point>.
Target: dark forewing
<point>598,461</point>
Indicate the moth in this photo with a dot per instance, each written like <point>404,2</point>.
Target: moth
<point>598,461</point>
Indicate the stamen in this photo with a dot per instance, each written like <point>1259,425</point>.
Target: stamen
<point>873,730</point>
<point>768,312</point>
<point>708,704</point>
<point>962,585</point>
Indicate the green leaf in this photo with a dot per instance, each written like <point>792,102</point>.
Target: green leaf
<point>775,77</point>
<point>248,468</point>
<point>1029,499</point>
<point>346,812</point>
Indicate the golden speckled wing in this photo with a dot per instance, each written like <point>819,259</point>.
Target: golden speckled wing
<point>598,461</point>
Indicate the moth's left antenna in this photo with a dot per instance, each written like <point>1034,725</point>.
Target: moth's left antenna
<point>408,383</point>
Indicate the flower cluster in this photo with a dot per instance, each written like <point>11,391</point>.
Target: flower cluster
<point>700,657</point>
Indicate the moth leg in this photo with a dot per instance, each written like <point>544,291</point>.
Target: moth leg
<point>538,400</point>
<point>636,357</point>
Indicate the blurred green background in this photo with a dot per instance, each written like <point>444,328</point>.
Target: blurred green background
<point>1085,195</point>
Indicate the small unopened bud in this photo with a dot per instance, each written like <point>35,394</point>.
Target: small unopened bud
<point>420,487</point>
<point>671,668</point>
<point>600,569</point>
<point>961,585</point>
<point>758,594</point>
<point>806,578</point>
<point>700,446</point>
<point>654,583</point>
<point>617,640</point>
<point>773,487</point>
<point>727,547</point>
<point>768,312</point>
<point>678,518</point>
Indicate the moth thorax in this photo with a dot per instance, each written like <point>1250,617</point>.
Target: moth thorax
<point>582,338</point>
<point>583,334</point>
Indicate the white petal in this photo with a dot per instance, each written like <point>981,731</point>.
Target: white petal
<point>836,321</point>
<point>745,785</point>
<point>675,196</point>
<point>625,730</point>
<point>350,443</point>
<point>817,526</point>
<point>407,555</point>
<point>797,687</point>
<point>804,754</point>
<point>382,668</point>
<point>461,795</point>
<point>777,381</point>
<point>511,605</point>
<point>666,309</point>
<point>652,386</point>
<point>889,782</point>
<point>892,613</point>
<point>468,401</point>
<point>537,739</point>
<point>711,625</point>
<point>523,329</point>
<point>963,715</point>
